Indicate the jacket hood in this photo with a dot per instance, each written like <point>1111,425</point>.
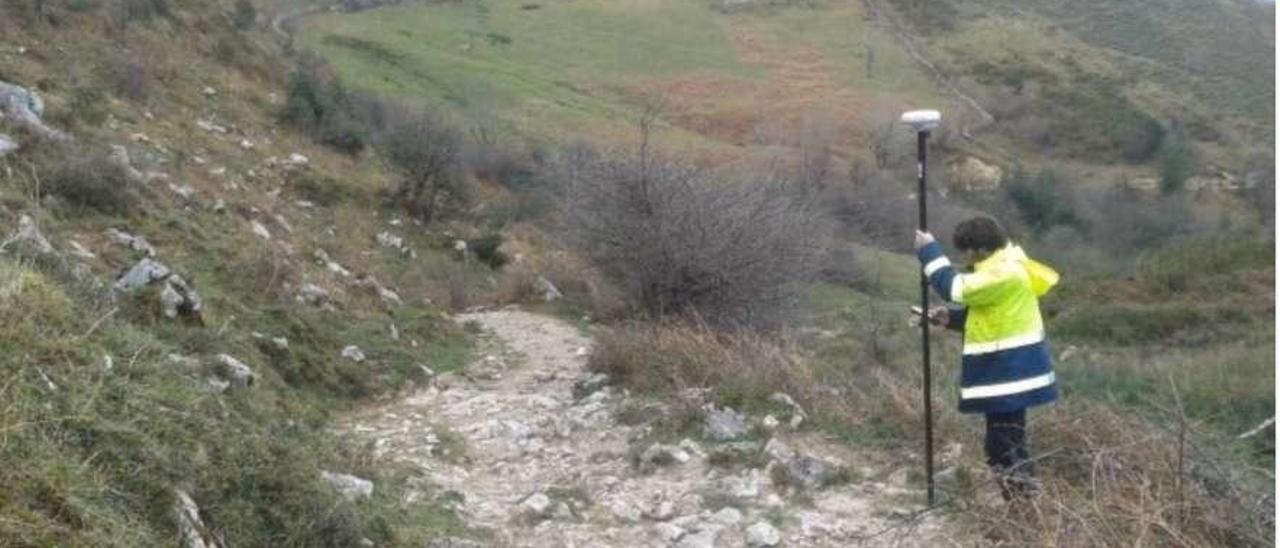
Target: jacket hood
<point>1041,276</point>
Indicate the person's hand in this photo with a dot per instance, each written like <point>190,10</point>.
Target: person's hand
<point>923,239</point>
<point>939,315</point>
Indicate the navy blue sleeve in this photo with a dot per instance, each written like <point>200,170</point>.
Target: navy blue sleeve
<point>938,268</point>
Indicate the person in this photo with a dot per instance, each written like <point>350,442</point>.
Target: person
<point>1006,366</point>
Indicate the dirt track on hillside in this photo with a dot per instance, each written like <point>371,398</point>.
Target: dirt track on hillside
<point>520,456</point>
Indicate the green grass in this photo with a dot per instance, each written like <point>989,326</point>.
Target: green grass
<point>1198,316</point>
<point>90,457</point>
<point>583,69</point>
<point>565,65</point>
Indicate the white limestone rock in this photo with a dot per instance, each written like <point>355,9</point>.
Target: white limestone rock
<point>350,487</point>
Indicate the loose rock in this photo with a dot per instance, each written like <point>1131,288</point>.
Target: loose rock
<point>723,424</point>
<point>26,107</point>
<point>261,231</point>
<point>136,243</point>
<point>778,451</point>
<point>313,295</point>
<point>537,505</point>
<point>727,516</point>
<point>235,371</point>
<point>8,145</point>
<point>662,455</point>
<point>763,534</point>
<point>351,487</point>
<point>668,532</point>
<point>30,235</point>
<point>549,291</point>
<point>811,472</point>
<point>353,353</point>
<point>589,385</point>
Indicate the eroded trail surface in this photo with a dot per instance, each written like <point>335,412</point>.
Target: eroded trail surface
<point>530,446</point>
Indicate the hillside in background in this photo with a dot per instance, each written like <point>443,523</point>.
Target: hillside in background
<point>231,230</point>
<point>1097,86</point>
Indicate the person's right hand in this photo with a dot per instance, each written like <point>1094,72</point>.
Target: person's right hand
<point>923,238</point>
<point>939,315</point>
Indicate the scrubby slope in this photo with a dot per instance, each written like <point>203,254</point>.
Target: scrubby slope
<point>109,407</point>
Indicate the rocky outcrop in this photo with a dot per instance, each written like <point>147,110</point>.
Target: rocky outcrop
<point>177,297</point>
<point>25,107</point>
<point>970,174</point>
<point>314,295</point>
<point>28,234</point>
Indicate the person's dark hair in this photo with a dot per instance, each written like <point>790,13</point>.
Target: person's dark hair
<point>980,234</point>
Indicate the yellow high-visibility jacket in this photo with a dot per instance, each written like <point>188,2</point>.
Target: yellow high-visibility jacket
<point>1006,364</point>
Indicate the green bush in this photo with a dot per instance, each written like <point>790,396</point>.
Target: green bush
<point>81,6</point>
<point>1173,266</point>
<point>486,249</point>
<point>1095,121</point>
<point>88,105</point>
<point>245,15</point>
<point>321,189</point>
<point>144,10</point>
<point>1042,201</point>
<point>928,16</point>
<point>317,103</point>
<point>1127,323</point>
<point>1176,160</point>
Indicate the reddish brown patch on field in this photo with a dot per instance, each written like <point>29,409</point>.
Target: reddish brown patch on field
<point>799,98</point>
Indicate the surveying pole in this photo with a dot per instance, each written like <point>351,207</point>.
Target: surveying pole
<point>923,121</point>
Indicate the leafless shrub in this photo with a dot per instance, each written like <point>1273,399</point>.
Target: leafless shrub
<point>87,179</point>
<point>425,151</point>
<point>677,239</point>
<point>879,208</point>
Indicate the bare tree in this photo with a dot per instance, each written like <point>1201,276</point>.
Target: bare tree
<point>678,239</point>
<point>426,152</point>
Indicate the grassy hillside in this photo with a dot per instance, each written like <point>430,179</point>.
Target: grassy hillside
<point>590,68</point>
<point>107,407</point>
<point>1073,80</point>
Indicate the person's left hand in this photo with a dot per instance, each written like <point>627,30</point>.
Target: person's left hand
<point>923,239</point>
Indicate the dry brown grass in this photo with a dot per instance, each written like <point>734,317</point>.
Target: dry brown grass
<point>742,368</point>
<point>1117,480</point>
<point>1108,478</point>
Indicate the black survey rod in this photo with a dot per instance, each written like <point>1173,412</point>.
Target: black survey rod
<point>922,173</point>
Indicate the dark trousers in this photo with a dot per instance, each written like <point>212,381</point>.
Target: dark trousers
<point>1007,454</point>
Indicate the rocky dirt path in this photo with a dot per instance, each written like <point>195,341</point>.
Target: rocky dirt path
<point>528,444</point>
